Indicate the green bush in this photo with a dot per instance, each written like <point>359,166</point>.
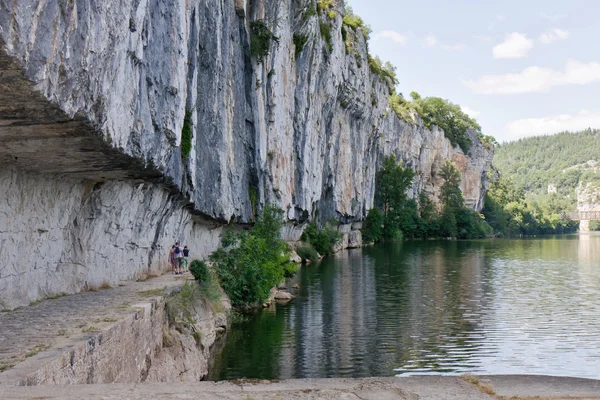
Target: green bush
<point>355,22</point>
<point>261,38</point>
<point>373,226</point>
<point>307,253</point>
<point>186,135</point>
<point>386,71</point>
<point>323,240</point>
<point>324,5</point>
<point>311,11</point>
<point>200,270</point>
<point>300,42</point>
<point>250,263</point>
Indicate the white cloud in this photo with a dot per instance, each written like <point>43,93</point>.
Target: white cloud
<point>552,17</point>
<point>515,45</point>
<point>393,36</point>
<point>536,79</point>
<point>431,40</point>
<point>553,35</point>
<point>470,112</point>
<point>553,124</point>
<point>454,47</point>
<point>500,18</point>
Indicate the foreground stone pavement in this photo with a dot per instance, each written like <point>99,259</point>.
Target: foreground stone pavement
<point>32,332</point>
<point>408,388</point>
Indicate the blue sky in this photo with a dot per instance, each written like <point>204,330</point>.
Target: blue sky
<point>521,68</point>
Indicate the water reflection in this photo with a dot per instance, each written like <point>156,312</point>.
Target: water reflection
<point>502,306</point>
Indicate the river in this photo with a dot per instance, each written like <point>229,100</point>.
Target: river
<point>503,306</point>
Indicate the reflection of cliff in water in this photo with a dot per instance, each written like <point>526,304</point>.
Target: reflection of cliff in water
<point>388,307</point>
<point>493,306</point>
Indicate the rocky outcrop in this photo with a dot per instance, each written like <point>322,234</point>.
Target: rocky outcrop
<point>94,97</point>
<point>588,202</point>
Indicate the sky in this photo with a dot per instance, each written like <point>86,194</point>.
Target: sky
<point>521,68</point>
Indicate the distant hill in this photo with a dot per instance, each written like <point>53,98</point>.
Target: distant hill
<point>561,160</point>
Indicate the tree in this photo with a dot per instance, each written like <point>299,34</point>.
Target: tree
<point>392,183</point>
<point>451,196</point>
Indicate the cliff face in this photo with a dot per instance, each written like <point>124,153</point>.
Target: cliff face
<point>305,132</point>
<point>98,92</point>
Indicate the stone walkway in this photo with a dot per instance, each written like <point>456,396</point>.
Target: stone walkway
<point>30,330</point>
<point>408,388</point>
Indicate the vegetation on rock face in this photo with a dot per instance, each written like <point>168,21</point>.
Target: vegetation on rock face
<point>261,38</point>
<point>396,216</point>
<point>446,115</point>
<point>250,263</point>
<point>323,240</point>
<point>433,110</point>
<point>386,71</point>
<point>300,41</point>
<point>186,135</point>
<point>324,5</point>
<point>325,30</point>
<point>356,23</point>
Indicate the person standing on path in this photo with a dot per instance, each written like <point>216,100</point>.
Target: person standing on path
<point>172,259</point>
<point>178,258</point>
<point>186,259</point>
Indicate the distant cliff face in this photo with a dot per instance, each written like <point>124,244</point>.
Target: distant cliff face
<point>304,129</point>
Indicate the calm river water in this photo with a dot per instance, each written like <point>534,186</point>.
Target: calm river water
<point>514,306</point>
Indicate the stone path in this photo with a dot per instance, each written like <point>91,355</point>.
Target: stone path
<point>409,388</point>
<point>27,331</point>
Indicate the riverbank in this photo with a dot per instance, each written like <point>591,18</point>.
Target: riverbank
<point>408,388</point>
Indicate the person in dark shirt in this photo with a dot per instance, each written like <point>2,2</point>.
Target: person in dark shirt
<point>186,255</point>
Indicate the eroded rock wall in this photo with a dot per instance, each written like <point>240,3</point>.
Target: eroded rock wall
<point>60,235</point>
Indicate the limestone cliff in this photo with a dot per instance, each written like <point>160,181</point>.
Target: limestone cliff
<point>94,96</point>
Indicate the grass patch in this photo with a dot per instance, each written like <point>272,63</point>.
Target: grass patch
<point>181,306</point>
<point>170,338</point>
<point>198,338</point>
<point>484,387</point>
<point>153,292</point>
<point>36,350</point>
<point>124,306</point>
<point>106,320</point>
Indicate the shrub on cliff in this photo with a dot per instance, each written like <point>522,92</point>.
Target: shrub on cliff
<point>250,263</point>
<point>199,270</point>
<point>323,240</point>
<point>186,135</point>
<point>260,40</point>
